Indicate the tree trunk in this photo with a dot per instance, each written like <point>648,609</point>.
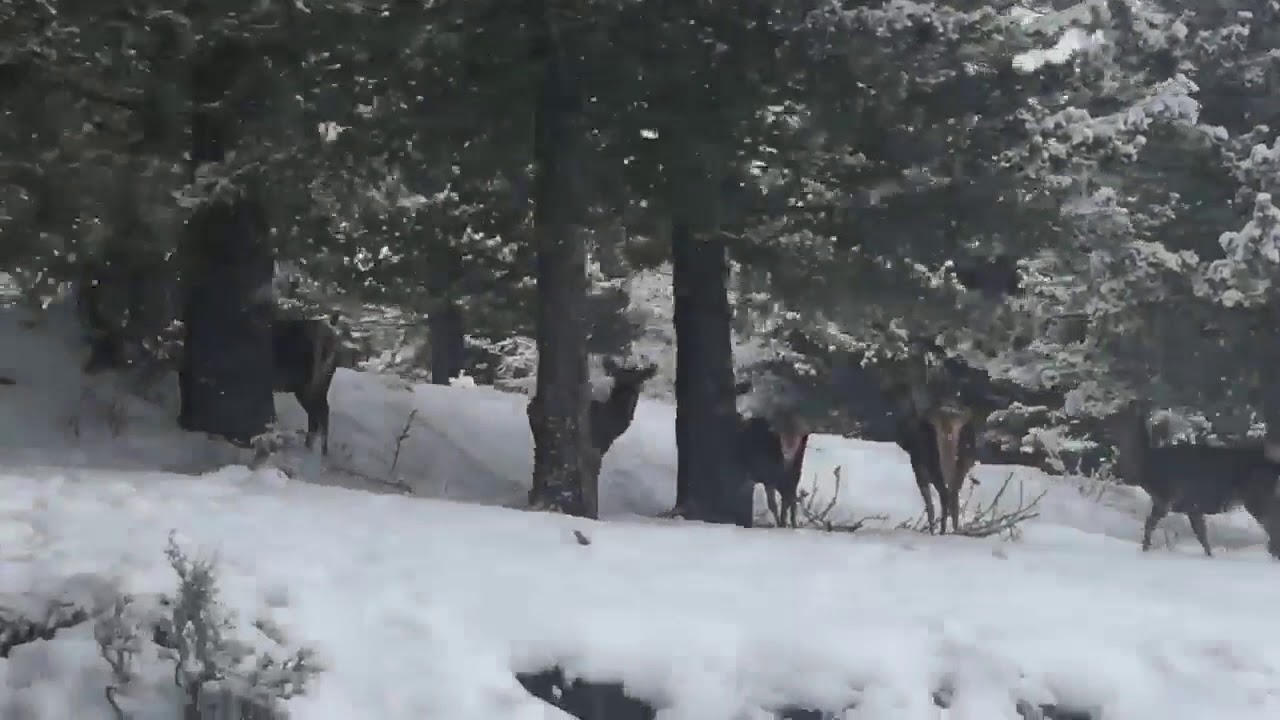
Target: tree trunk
<point>564,470</point>
<point>448,341</point>
<point>708,485</point>
<point>226,374</point>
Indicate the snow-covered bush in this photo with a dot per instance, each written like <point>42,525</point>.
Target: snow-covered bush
<point>217,674</point>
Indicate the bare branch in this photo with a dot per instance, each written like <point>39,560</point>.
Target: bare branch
<point>404,435</point>
<point>819,517</point>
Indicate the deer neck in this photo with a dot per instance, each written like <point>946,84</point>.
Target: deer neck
<point>622,405</point>
<point>1135,442</point>
<point>947,438</point>
<point>614,414</point>
<point>791,446</point>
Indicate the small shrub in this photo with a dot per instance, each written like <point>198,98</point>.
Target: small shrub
<point>119,640</point>
<point>820,516</point>
<point>218,677</point>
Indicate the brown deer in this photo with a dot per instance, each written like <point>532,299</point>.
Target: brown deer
<point>939,435</point>
<point>608,419</point>
<point>306,359</point>
<point>771,453</point>
<point>1195,480</point>
<point>306,354</point>
<point>793,439</point>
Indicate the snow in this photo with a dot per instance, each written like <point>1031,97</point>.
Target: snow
<point>424,607</point>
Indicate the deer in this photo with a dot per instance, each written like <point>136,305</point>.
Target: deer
<point>1191,479</point>
<point>609,418</point>
<point>939,435</point>
<point>305,358</point>
<point>771,453</point>
<point>306,352</point>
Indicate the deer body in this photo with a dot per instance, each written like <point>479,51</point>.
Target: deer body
<point>942,445</point>
<point>1194,480</point>
<point>608,419</point>
<point>772,455</point>
<point>306,359</point>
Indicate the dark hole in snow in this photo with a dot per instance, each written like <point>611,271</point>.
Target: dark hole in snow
<point>609,701</point>
<point>585,700</point>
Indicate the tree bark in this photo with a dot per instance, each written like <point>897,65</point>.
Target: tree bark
<point>564,469</point>
<point>226,374</point>
<point>708,485</point>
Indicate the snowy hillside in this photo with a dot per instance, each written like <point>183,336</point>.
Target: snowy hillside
<point>427,607</point>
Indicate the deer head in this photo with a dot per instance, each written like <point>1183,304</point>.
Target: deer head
<point>1131,438</point>
<point>948,421</point>
<point>1129,421</point>
<point>791,430</point>
<point>631,376</point>
<point>612,416</point>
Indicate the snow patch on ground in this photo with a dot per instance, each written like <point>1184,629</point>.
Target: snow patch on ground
<point>425,606</point>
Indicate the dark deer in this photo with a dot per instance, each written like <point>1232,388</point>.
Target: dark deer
<point>940,438</point>
<point>609,418</point>
<point>306,359</point>
<point>1194,480</point>
<point>772,454</point>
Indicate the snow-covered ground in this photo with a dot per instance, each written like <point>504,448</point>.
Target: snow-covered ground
<point>424,607</point>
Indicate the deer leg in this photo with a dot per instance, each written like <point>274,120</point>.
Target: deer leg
<point>953,504</point>
<point>922,482</point>
<point>1202,533</point>
<point>944,503</point>
<point>787,504</point>
<point>1257,502</point>
<point>313,417</point>
<point>769,497</point>
<point>789,508</point>
<point>322,409</point>
<point>1159,508</point>
<point>955,510</point>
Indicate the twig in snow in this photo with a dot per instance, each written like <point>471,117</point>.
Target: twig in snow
<point>819,517</point>
<point>404,435</point>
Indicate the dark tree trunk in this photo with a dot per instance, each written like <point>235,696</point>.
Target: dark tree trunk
<point>448,341</point>
<point>708,486</point>
<point>564,469</point>
<point>226,373</point>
